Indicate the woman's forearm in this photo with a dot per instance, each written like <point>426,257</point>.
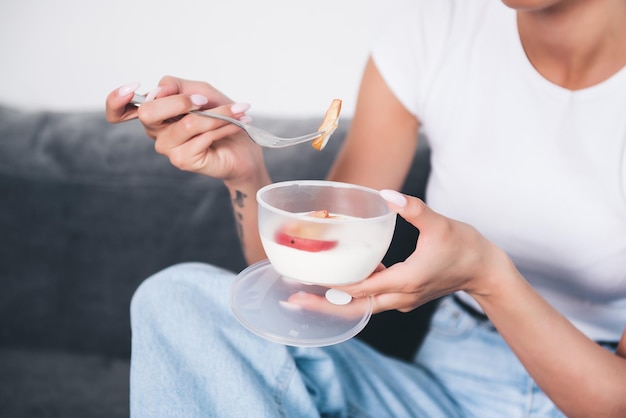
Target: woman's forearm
<point>243,199</point>
<point>582,378</point>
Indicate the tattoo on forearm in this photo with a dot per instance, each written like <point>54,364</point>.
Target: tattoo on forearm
<point>238,201</point>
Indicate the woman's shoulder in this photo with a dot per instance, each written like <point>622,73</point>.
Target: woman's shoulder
<point>420,37</point>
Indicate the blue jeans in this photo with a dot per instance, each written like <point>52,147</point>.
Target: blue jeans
<point>191,358</point>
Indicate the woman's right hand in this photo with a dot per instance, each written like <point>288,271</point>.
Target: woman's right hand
<point>191,142</point>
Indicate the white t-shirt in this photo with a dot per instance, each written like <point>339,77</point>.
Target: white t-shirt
<point>538,169</point>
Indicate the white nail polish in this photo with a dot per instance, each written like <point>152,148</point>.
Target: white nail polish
<point>245,119</point>
<point>152,94</point>
<point>127,89</point>
<point>240,108</point>
<point>198,99</point>
<point>338,297</point>
<point>394,197</point>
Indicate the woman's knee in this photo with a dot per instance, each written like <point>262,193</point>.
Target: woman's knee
<point>179,285</point>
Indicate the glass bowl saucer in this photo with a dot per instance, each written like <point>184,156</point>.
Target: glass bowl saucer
<point>264,302</point>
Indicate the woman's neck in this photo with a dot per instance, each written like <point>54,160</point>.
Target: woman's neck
<point>575,44</point>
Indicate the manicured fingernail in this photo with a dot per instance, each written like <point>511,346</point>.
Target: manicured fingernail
<point>240,108</point>
<point>394,197</point>
<point>152,94</point>
<point>127,89</point>
<point>338,297</point>
<point>245,119</point>
<point>198,99</point>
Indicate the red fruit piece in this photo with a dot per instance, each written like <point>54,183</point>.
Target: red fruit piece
<point>304,244</point>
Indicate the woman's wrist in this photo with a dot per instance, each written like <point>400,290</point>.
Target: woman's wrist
<point>253,174</point>
<point>495,272</point>
<point>243,199</point>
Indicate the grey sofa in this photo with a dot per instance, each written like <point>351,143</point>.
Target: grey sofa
<point>87,211</point>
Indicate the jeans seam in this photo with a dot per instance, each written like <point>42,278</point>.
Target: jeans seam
<point>283,377</point>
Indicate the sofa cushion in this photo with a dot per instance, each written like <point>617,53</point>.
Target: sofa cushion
<point>88,212</point>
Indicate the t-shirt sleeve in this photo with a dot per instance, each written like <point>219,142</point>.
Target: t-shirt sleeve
<point>408,47</point>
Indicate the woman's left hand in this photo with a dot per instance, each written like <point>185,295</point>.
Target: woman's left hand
<point>449,256</point>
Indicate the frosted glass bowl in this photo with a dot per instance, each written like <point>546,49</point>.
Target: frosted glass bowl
<point>343,248</point>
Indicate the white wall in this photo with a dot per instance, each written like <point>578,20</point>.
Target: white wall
<point>284,57</point>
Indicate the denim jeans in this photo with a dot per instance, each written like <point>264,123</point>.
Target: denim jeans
<point>191,358</point>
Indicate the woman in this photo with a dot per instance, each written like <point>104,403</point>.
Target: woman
<point>535,92</point>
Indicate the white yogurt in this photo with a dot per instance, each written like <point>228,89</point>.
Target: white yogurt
<point>346,263</point>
